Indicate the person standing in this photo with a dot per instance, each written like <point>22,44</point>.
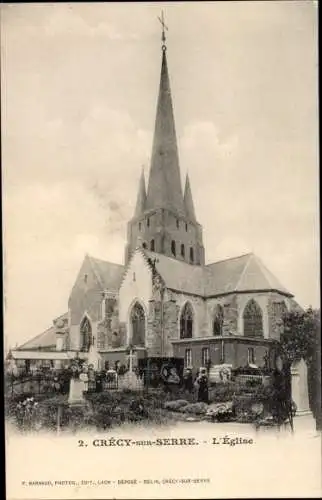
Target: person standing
<point>203,392</point>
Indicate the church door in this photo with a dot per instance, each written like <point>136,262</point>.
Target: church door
<point>138,325</point>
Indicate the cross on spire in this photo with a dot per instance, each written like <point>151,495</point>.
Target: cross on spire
<point>164,27</point>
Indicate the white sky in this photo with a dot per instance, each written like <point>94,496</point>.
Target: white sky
<point>79,90</point>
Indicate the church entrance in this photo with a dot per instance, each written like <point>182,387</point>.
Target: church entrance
<point>137,320</point>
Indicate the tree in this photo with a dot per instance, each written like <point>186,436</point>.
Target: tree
<point>301,335</point>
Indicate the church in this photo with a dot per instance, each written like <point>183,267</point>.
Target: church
<point>165,300</point>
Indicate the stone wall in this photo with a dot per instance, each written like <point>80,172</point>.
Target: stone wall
<point>163,226</point>
<point>230,308</point>
<point>136,286</point>
<point>153,333</point>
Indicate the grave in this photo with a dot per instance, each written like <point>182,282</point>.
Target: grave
<point>76,389</point>
<point>300,394</point>
<point>130,380</point>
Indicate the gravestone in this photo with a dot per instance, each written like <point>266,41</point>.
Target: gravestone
<point>94,358</point>
<point>300,394</point>
<point>76,389</point>
<point>130,381</point>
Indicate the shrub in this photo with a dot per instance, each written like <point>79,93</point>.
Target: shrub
<point>195,408</point>
<point>175,405</point>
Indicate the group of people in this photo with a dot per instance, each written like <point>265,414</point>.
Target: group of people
<point>199,383</point>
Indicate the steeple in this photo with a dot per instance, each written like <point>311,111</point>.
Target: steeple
<point>164,188</point>
<point>188,201</point>
<point>164,221</point>
<point>141,199</point>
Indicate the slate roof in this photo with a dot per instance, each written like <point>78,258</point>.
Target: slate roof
<point>109,274</point>
<point>44,340</point>
<point>238,274</point>
<point>164,186</point>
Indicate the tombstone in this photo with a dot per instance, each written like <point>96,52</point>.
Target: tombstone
<point>76,389</point>
<point>94,358</point>
<point>300,394</point>
<point>130,381</point>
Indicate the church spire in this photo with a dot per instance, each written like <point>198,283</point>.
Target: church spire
<point>164,188</point>
<point>188,201</point>
<point>141,198</point>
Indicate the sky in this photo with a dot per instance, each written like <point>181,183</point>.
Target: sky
<point>79,89</point>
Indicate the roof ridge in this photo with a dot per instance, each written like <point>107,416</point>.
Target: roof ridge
<point>244,271</point>
<point>230,258</point>
<point>105,261</point>
<point>268,274</point>
<point>92,264</point>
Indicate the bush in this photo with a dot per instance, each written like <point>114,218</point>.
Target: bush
<point>175,405</point>
<point>195,408</point>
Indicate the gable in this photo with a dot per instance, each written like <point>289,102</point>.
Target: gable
<point>136,284</point>
<point>86,294</point>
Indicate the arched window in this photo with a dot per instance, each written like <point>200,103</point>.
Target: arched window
<point>182,250</point>
<point>137,320</point>
<point>144,244</point>
<point>191,255</point>
<point>218,320</point>
<point>86,335</point>
<point>253,320</point>
<point>148,222</point>
<point>173,248</point>
<point>140,226</point>
<point>152,245</point>
<point>186,322</point>
<point>177,223</point>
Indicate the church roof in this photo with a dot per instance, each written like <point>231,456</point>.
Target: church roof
<point>45,340</point>
<point>164,187</point>
<point>108,273</point>
<point>238,274</point>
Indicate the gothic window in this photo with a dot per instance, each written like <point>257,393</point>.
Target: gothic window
<point>187,358</point>
<point>144,244</point>
<point>86,335</point>
<point>205,356</point>
<point>140,225</point>
<point>253,320</point>
<point>251,356</point>
<point>182,250</point>
<point>186,322</point>
<point>191,255</point>
<point>173,248</point>
<point>177,222</point>
<point>218,320</point>
<point>186,227</point>
<point>148,222</point>
<point>137,319</point>
<point>152,246</point>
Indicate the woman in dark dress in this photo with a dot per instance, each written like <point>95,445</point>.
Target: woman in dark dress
<point>188,380</point>
<point>203,393</point>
